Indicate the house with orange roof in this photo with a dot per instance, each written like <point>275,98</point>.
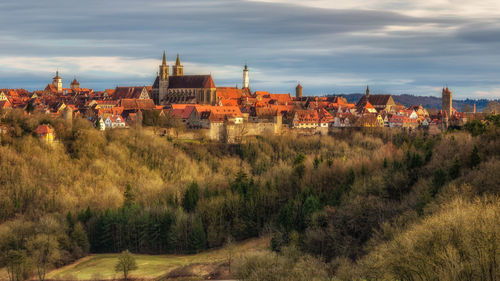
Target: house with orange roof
<point>3,96</point>
<point>140,92</point>
<point>5,104</point>
<point>325,118</point>
<point>402,121</point>
<point>370,120</point>
<point>115,121</point>
<point>207,115</point>
<point>45,132</point>
<point>232,93</point>
<point>365,108</point>
<point>303,119</point>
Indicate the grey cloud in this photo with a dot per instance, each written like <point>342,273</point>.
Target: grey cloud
<point>282,39</point>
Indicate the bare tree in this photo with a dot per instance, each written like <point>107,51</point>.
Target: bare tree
<point>44,251</point>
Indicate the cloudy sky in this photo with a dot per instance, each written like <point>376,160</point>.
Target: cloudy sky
<point>331,47</point>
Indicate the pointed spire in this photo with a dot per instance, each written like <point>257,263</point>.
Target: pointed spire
<point>367,90</point>
<point>177,61</point>
<point>164,61</point>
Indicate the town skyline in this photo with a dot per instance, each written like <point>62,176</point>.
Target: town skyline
<point>409,48</point>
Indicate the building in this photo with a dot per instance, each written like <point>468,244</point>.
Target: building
<point>246,77</point>
<point>178,68</point>
<point>74,85</point>
<point>305,119</point>
<point>45,132</point>
<point>379,102</point>
<point>298,91</point>
<point>141,92</point>
<point>56,87</point>
<point>114,121</point>
<point>180,88</point>
<point>446,107</point>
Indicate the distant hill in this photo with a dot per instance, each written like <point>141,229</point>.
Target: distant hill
<point>427,101</point>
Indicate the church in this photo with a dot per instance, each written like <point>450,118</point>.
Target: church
<point>180,88</point>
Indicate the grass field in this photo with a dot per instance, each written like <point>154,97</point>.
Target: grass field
<point>101,266</point>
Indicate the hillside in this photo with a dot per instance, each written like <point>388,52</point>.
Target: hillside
<point>332,205</point>
<point>427,101</point>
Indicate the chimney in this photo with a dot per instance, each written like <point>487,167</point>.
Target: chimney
<point>474,108</point>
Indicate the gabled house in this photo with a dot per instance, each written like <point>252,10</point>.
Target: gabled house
<point>45,132</point>
<point>305,119</point>
<point>115,121</point>
<point>131,93</point>
<point>379,102</point>
<point>325,118</point>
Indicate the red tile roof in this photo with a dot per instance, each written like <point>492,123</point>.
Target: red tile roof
<point>44,129</point>
<point>189,82</point>
<point>136,104</point>
<point>127,92</point>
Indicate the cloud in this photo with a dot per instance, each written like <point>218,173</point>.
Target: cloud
<point>488,94</point>
<point>402,46</point>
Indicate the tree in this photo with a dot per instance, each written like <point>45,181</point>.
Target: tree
<point>475,159</point>
<point>197,239</point>
<point>230,251</point>
<point>492,107</point>
<point>438,181</point>
<point>79,236</point>
<point>153,118</point>
<point>190,198</point>
<point>18,265</point>
<point>466,108</point>
<point>44,251</point>
<point>126,263</point>
<point>129,195</point>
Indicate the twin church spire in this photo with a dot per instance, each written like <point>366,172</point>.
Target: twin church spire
<point>177,69</point>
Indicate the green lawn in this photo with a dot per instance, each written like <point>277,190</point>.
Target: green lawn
<point>101,266</point>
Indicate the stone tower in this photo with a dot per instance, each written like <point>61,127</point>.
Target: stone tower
<point>298,91</point>
<point>177,69</point>
<point>163,79</point>
<point>246,77</point>
<point>367,91</point>
<point>74,84</point>
<point>57,82</point>
<point>447,103</point>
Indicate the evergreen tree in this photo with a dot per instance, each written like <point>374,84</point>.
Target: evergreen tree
<point>438,181</point>
<point>190,198</point>
<point>79,236</point>
<point>475,159</point>
<point>129,195</point>
<point>454,171</point>
<point>197,238</point>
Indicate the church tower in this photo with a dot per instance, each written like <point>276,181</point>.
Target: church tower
<point>367,91</point>
<point>163,79</point>
<point>246,78</point>
<point>446,108</point>
<point>57,82</point>
<point>178,69</point>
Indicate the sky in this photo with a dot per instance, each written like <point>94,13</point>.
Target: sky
<point>330,47</point>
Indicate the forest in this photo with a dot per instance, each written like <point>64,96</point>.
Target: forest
<point>374,204</point>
